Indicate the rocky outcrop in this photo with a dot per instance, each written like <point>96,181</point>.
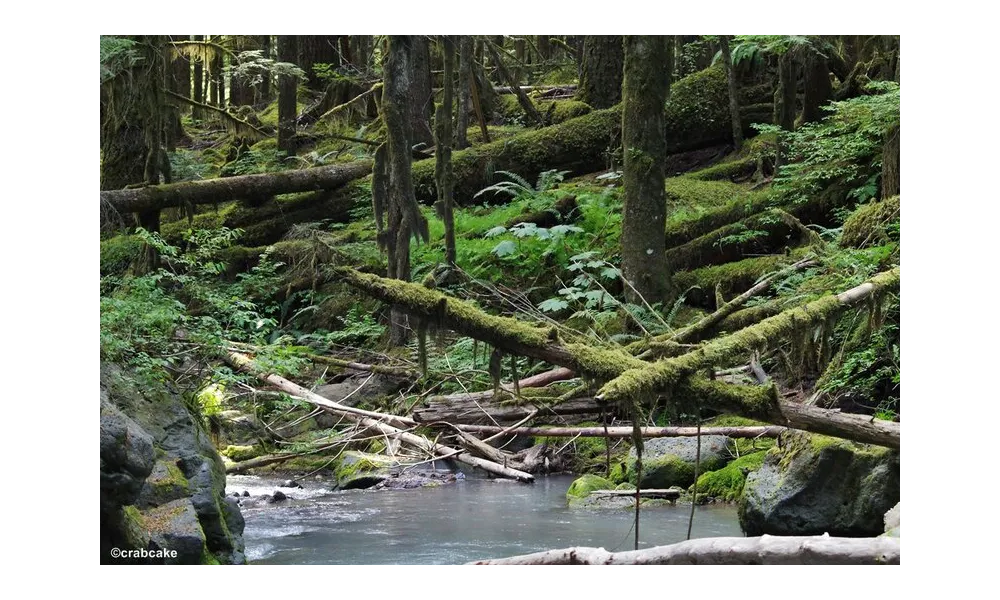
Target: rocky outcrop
<point>667,462</point>
<point>162,481</point>
<point>812,484</point>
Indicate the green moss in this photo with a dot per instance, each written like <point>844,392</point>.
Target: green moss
<point>136,532</point>
<point>582,486</point>
<point>207,558</point>
<point>872,225</point>
<point>241,453</point>
<point>353,464</point>
<point>692,194</point>
<point>727,482</point>
<point>734,278</point>
<point>118,253</point>
<point>625,486</point>
<point>563,110</point>
<point>664,471</point>
<point>698,110</point>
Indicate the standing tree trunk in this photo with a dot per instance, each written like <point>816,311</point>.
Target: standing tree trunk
<point>217,85</point>
<point>316,50</point>
<point>398,202</point>
<point>734,92</point>
<point>421,99</point>
<point>178,81</point>
<point>287,84</point>
<point>544,47</point>
<point>240,90</point>
<point>818,89</point>
<point>601,71</point>
<point>784,102</point>
<point>265,91</point>
<point>464,91</point>
<point>131,129</point>
<point>644,92</point>
<point>198,92</point>
<point>890,163</point>
<point>361,49</point>
<point>508,77</point>
<point>443,168</point>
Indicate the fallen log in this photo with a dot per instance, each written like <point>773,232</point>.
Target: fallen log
<point>652,377</point>
<point>222,189</point>
<point>356,366</point>
<point>378,422</point>
<point>667,494</point>
<point>535,381</point>
<point>763,550</point>
<point>478,412</point>
<point>764,431</point>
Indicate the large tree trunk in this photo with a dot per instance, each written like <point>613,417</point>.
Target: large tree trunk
<point>241,90</point>
<point>198,93</point>
<point>265,91</point>
<point>315,50</point>
<point>645,89</point>
<point>420,101</point>
<point>443,170</point>
<point>287,84</point>
<point>404,218</point>
<point>245,187</point>
<point>818,89</point>
<point>734,92</point>
<point>465,53</point>
<point>784,102</point>
<point>890,163</point>
<point>217,82</point>
<point>764,550</point>
<point>602,70</point>
<point>178,80</point>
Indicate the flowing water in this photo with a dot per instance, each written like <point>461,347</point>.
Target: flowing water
<point>451,524</point>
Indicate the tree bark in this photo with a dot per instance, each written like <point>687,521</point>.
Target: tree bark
<point>644,145</point>
<point>421,101</point>
<point>784,102</point>
<point>890,163</point>
<point>265,92</point>
<point>287,84</point>
<point>443,169</point>
<point>315,50</point>
<point>601,71</point>
<point>818,89</point>
<point>198,93</point>
<point>253,187</point>
<point>734,92</point>
<point>464,91</point>
<point>764,550</point>
<point>352,414</point>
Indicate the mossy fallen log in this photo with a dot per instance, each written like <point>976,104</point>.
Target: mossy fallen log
<point>646,381</point>
<point>246,187</point>
<point>869,225</point>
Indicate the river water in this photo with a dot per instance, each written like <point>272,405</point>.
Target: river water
<point>451,524</point>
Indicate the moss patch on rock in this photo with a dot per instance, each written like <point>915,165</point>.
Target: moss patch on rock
<point>241,453</point>
<point>727,483</point>
<point>583,486</point>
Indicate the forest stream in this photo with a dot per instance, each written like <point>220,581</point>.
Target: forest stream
<point>471,519</point>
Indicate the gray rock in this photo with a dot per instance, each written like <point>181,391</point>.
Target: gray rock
<point>815,484</point>
<point>126,457</point>
<point>174,526</point>
<point>668,462</point>
<point>278,496</point>
<point>291,483</point>
<point>165,484</point>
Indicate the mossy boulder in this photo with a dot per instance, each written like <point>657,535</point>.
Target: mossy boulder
<point>118,253</point>
<point>360,470</point>
<point>174,526</point>
<point>873,224</point>
<point>697,113</point>
<point>812,484</point>
<point>241,453</point>
<point>165,484</point>
<point>727,483</point>
<point>668,462</point>
<point>580,489</point>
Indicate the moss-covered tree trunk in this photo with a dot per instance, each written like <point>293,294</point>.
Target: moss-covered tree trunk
<point>361,50</point>
<point>315,50</point>
<point>544,47</point>
<point>443,171</point>
<point>178,81</point>
<point>240,89</point>
<point>890,163</point>
<point>404,218</point>
<point>132,129</point>
<point>217,85</point>
<point>464,91</point>
<point>784,101</point>
<point>515,85</point>
<point>601,71</point>
<point>421,103</point>
<point>287,84</point>
<point>198,83</point>
<point>817,90</point>
<point>265,91</point>
<point>644,93</point>
<point>734,92</point>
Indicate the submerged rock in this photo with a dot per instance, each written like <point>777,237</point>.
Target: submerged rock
<point>278,496</point>
<point>813,484</point>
